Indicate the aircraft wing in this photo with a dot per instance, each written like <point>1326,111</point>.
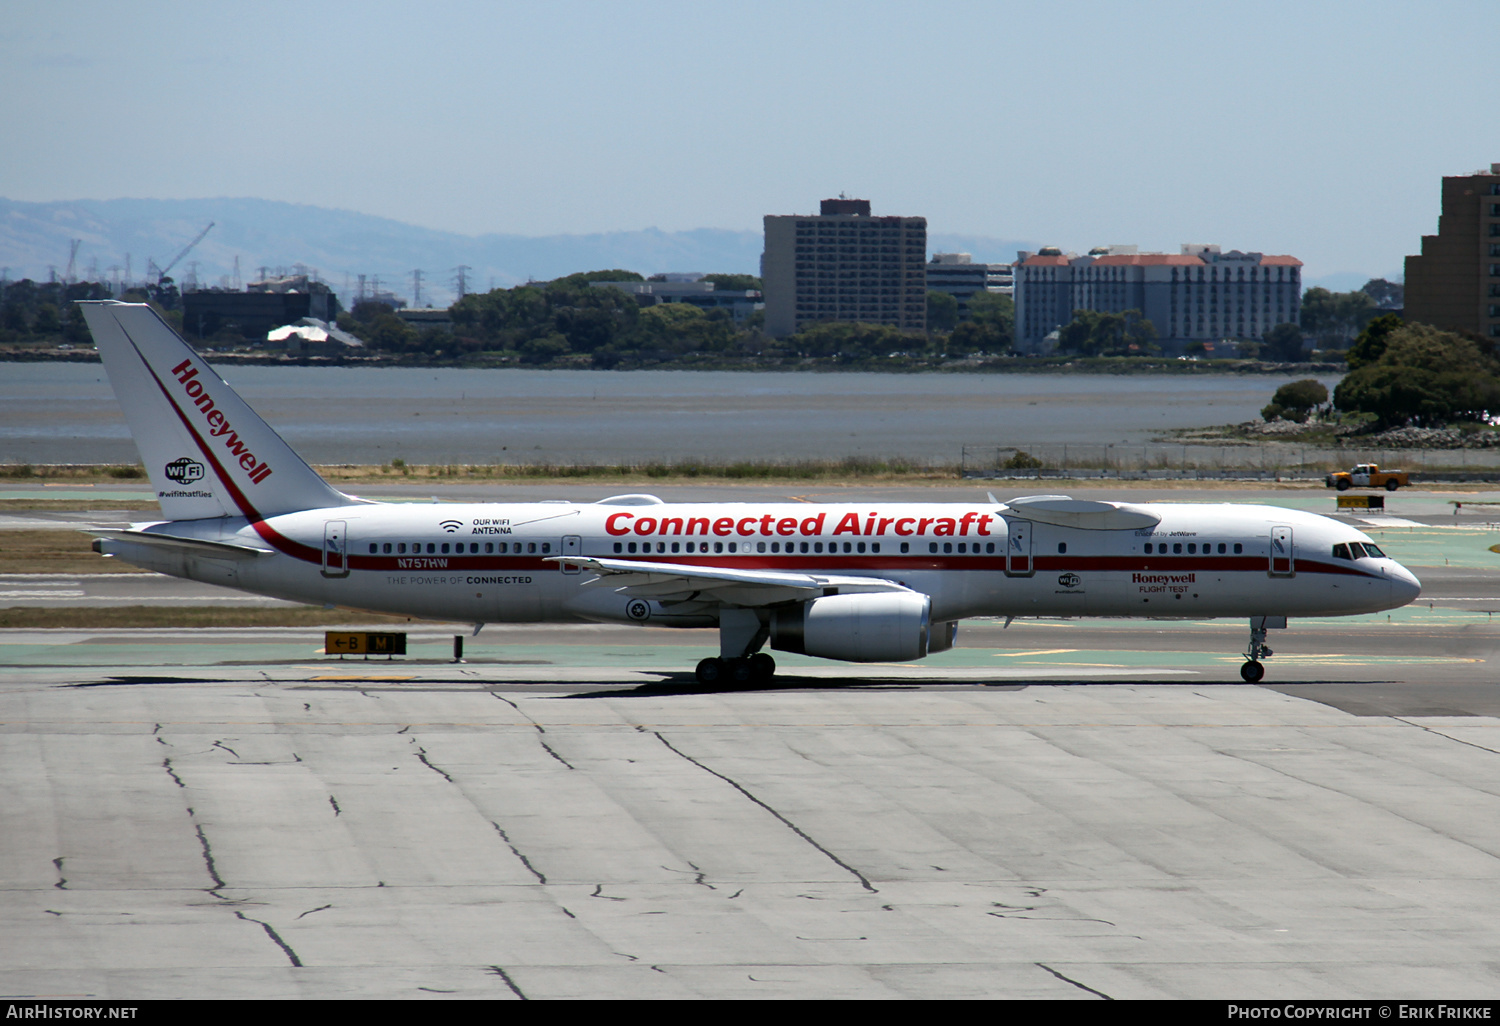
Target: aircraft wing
<point>678,581</point>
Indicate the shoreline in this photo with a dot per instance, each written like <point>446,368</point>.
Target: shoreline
<point>1099,365</point>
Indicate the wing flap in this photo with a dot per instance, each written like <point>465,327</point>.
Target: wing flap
<point>681,582</point>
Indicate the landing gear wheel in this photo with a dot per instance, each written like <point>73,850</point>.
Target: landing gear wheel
<point>711,671</point>
<point>762,667</point>
<point>1252,671</point>
<point>740,671</point>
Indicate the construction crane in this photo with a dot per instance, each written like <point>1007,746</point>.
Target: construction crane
<point>185,249</point>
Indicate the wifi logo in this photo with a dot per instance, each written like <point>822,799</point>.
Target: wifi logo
<point>451,526</point>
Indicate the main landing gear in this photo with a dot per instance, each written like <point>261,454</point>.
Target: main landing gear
<point>741,634</point>
<point>756,669</point>
<point>1254,670</point>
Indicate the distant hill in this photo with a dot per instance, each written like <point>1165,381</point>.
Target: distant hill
<point>342,244</point>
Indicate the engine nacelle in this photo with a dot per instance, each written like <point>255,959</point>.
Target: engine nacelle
<point>865,627</point>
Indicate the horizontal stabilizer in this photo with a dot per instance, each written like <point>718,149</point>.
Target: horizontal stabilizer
<point>186,546</point>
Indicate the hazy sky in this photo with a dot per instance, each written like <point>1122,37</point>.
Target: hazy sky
<point>1319,129</point>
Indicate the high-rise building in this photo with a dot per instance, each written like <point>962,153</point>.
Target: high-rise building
<point>1455,283</point>
<point>1199,294</point>
<point>844,265</point>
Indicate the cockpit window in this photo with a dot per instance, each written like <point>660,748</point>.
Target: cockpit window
<point>1341,552</point>
<point>1373,551</point>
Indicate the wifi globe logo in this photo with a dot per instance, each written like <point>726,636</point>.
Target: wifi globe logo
<point>451,526</point>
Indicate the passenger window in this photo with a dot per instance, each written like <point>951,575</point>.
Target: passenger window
<point>1238,548</point>
<point>1192,548</point>
<point>445,548</point>
<point>373,548</point>
<point>905,547</point>
<point>431,548</point>
<point>932,546</point>
<point>1221,548</point>
<point>1148,548</point>
<point>947,547</point>
<point>989,548</point>
<point>1177,548</point>
<point>860,547</point>
<point>617,546</point>
<point>1062,548</point>
<point>874,546</point>
<point>675,547</point>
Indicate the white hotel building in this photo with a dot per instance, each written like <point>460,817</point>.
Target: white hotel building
<point>1200,294</point>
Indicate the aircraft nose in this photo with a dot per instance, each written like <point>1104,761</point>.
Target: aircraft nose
<point>1403,584</point>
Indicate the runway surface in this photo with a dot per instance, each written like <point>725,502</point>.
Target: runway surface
<point>1055,809</point>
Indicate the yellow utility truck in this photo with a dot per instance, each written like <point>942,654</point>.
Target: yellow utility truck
<point>1367,475</point>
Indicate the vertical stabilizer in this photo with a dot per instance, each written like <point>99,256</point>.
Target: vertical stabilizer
<point>208,453</point>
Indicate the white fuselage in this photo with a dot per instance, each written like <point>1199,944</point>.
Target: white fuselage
<point>499,562</point>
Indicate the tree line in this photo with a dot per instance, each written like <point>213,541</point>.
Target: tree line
<point>1402,374</point>
<point>571,322</point>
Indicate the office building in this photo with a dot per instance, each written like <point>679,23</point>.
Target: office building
<point>263,305</point>
<point>1200,294</point>
<point>1455,283</point>
<point>958,275</point>
<point>844,265</point>
<point>740,303</point>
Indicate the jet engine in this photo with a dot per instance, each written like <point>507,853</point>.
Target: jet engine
<point>865,627</point>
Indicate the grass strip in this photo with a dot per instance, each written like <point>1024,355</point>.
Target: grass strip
<point>167,617</point>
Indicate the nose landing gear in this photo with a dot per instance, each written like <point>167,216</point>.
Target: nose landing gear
<point>1253,670</point>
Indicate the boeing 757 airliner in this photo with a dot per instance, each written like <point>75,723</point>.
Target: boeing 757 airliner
<point>863,582</point>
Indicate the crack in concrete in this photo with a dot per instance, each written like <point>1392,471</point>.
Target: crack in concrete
<point>271,933</point>
<point>599,893</point>
<point>495,970</point>
<point>539,729</point>
<point>422,758</point>
<point>863,882</point>
<point>167,765</point>
<point>312,910</point>
<point>1439,733</point>
<point>516,852</point>
<point>335,803</point>
<point>208,854</point>
<point>1075,983</point>
<point>231,751</point>
<point>62,881</point>
<point>208,857</point>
